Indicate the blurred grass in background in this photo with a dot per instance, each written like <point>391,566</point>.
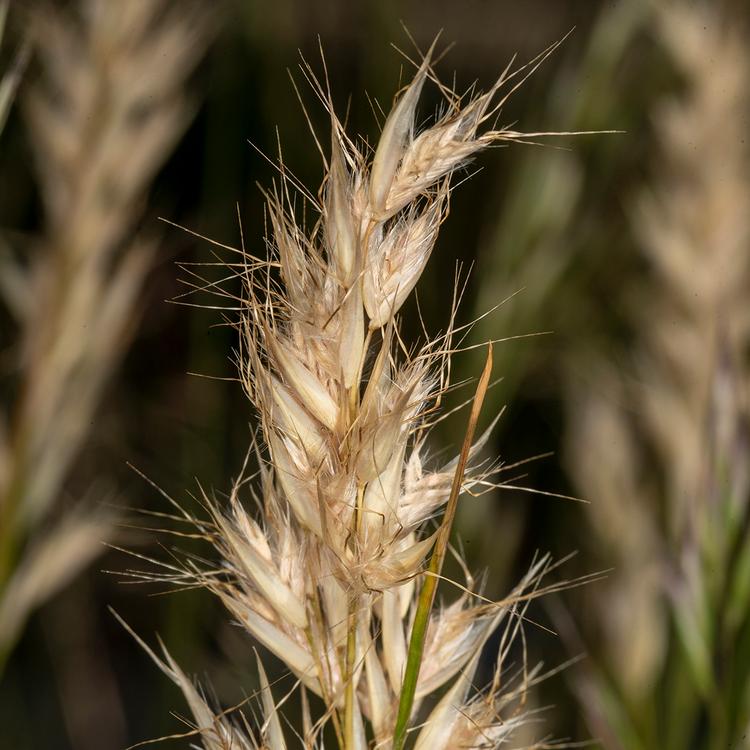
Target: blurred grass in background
<point>560,229</point>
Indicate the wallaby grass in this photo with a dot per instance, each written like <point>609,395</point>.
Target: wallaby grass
<point>632,248</point>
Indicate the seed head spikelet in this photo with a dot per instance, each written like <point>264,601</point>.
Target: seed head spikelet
<point>330,575</point>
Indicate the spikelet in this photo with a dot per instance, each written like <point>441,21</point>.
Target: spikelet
<point>216,731</point>
<point>329,577</point>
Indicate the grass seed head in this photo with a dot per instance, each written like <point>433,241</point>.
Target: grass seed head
<point>328,578</point>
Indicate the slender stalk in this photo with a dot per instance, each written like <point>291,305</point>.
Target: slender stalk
<point>427,594</point>
<point>323,678</point>
<point>351,655</point>
<point>351,639</point>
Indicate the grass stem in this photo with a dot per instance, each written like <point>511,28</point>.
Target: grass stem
<point>427,594</point>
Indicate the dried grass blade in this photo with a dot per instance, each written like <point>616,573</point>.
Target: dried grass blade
<point>427,595</point>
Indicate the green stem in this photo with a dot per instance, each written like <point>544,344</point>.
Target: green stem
<point>10,547</point>
<point>427,594</point>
